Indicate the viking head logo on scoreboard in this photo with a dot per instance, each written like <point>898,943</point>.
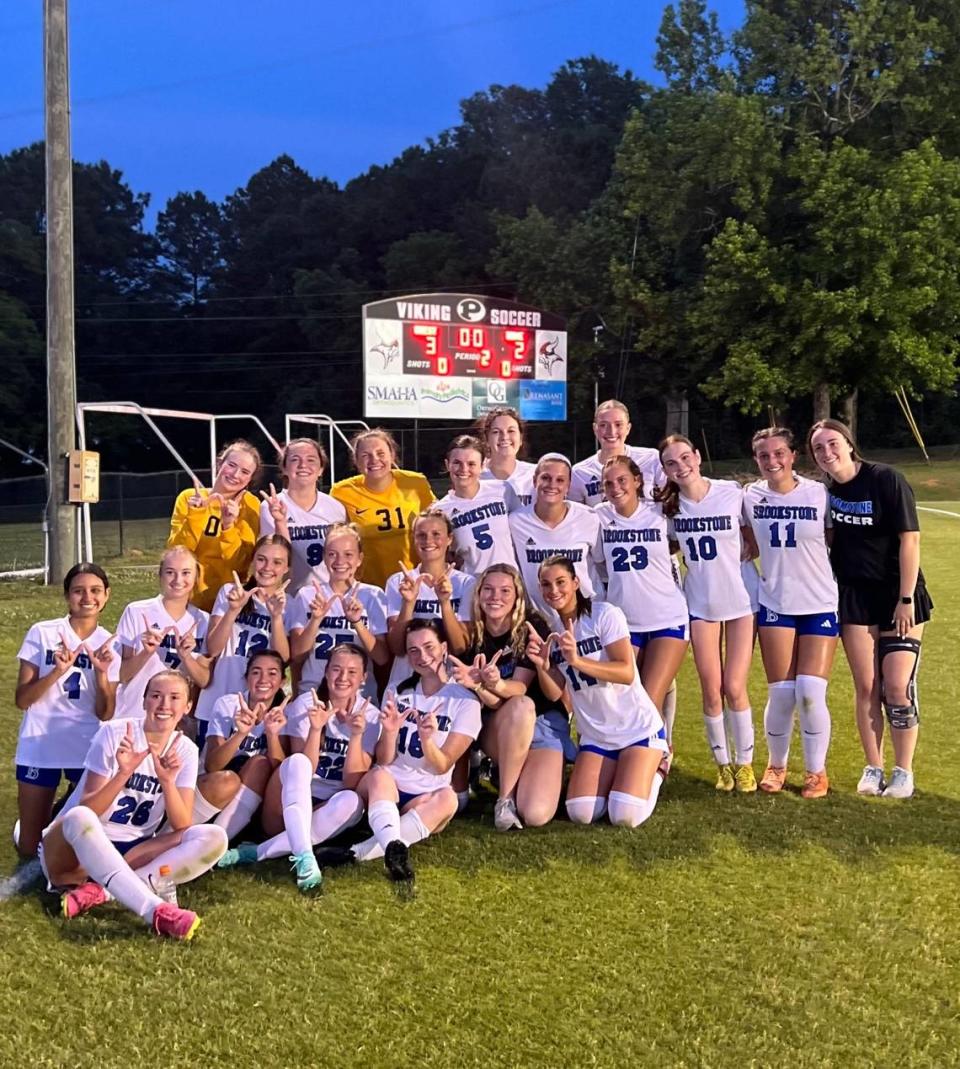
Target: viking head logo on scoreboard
<point>472,310</point>
<point>551,355</point>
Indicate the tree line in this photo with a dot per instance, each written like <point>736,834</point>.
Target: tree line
<point>773,231</point>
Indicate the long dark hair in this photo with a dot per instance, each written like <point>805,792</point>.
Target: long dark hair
<point>668,495</point>
<point>584,604</point>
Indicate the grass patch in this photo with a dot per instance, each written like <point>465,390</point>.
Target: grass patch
<point>759,930</point>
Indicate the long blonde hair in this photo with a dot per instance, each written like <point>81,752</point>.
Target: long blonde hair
<point>476,628</point>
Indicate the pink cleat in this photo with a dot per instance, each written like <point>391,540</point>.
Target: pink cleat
<point>82,898</point>
<point>175,922</point>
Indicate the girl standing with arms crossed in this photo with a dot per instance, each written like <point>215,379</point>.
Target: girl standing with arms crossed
<point>797,620</point>
<point>884,602</point>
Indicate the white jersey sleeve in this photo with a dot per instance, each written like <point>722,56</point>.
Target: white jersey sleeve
<point>586,478</point>
<point>796,576</point>
<point>708,532</point>
<point>56,730</point>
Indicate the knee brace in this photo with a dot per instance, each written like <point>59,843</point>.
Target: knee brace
<point>900,716</point>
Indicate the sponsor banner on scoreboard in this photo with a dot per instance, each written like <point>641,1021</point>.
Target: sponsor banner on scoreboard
<point>543,400</point>
<point>450,398</point>
<point>393,398</point>
<point>494,393</point>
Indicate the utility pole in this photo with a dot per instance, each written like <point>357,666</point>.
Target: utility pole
<point>61,367</point>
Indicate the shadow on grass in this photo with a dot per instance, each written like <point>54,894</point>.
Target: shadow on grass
<point>691,819</point>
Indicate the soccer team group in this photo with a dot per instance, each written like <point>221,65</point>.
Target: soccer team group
<point>311,658</point>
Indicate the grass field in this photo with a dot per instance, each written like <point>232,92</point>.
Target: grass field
<point>747,931</point>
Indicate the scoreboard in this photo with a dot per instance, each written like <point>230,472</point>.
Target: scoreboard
<point>456,356</point>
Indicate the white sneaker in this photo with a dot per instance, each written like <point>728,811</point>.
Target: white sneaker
<point>900,785</point>
<point>505,815</point>
<point>872,781</point>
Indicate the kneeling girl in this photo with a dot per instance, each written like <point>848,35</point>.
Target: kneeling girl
<point>621,735</point>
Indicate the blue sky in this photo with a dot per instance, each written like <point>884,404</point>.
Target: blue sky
<point>196,94</point>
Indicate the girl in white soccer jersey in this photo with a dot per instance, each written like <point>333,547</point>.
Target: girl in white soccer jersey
<point>332,733</point>
<point>246,618</point>
<point>434,590</point>
<point>243,746</point>
<point>163,632</point>
<point>706,517</point>
<point>798,607</point>
<point>553,525</point>
<point>622,738</point>
<point>527,735</point>
<point>502,432</point>
<point>634,548</point>
<point>611,425</point>
<point>477,510</point>
<point>104,844</point>
<point>342,610</point>
<point>300,512</point>
<point>425,728</point>
<point>66,686</point>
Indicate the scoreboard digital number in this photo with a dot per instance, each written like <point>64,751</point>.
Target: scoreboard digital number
<point>456,356</point>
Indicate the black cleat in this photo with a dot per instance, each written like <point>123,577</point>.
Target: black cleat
<point>396,860</point>
<point>334,857</point>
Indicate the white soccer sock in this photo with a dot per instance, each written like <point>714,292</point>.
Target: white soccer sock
<point>586,809</point>
<point>628,810</point>
<point>778,720</point>
<point>814,721</point>
<point>670,710</point>
<point>342,811</point>
<point>384,820</point>
<point>295,777</point>
<point>238,812</point>
<point>411,830</point>
<point>717,738</point>
<point>741,731</point>
<point>104,865</point>
<point>199,849</point>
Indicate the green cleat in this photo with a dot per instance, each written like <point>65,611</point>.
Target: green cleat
<point>308,871</point>
<point>725,781</point>
<point>744,779</point>
<point>244,854</point>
